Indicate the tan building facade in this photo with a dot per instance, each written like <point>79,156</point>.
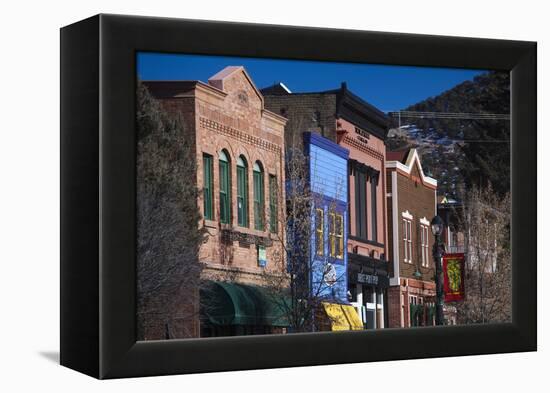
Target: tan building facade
<point>411,204</point>
<point>240,170</point>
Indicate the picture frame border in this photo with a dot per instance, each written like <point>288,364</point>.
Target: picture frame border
<point>98,195</point>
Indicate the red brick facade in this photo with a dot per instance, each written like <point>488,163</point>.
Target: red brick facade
<point>411,204</point>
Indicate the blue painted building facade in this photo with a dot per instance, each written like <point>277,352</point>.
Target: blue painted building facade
<point>328,182</point>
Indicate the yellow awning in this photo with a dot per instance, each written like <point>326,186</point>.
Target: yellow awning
<point>343,317</point>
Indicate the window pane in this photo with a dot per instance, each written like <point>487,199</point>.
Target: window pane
<point>405,247</point>
<point>339,236</point>
<point>331,234</point>
<point>273,225</point>
<point>374,210</point>
<point>224,192</point>
<point>258,200</point>
<point>409,238</point>
<point>207,186</point>
<point>319,226</point>
<point>242,196</point>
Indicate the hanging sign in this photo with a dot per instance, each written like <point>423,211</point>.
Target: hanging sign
<point>453,277</point>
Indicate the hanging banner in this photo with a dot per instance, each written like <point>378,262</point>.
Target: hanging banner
<point>453,277</point>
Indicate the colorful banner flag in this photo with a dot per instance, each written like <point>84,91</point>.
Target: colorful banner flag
<point>453,277</point>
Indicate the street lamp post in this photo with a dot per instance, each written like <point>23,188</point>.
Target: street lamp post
<point>437,252</point>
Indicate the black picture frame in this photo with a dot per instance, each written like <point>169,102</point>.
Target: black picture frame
<point>98,231</point>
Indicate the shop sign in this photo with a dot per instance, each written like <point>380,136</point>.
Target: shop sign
<point>262,256</point>
<point>362,135</point>
<point>369,279</point>
<point>453,277</point>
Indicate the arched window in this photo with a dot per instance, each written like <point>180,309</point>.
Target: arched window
<point>242,192</point>
<point>225,188</point>
<point>258,196</point>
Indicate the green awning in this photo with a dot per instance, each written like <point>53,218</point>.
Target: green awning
<point>224,303</point>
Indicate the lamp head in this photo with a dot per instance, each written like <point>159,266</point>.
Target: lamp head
<point>437,226</point>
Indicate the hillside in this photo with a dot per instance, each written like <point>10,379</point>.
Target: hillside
<point>462,152</point>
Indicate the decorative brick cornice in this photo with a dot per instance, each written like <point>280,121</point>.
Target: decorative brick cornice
<point>364,148</point>
<point>239,135</point>
<point>229,235</point>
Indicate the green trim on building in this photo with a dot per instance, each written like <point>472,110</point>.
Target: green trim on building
<point>242,195</point>
<point>226,303</point>
<point>225,193</point>
<point>273,221</point>
<point>258,200</point>
<point>208,186</point>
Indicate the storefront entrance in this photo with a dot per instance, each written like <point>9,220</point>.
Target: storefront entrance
<point>367,290</point>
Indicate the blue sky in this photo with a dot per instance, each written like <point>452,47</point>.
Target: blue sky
<point>386,87</point>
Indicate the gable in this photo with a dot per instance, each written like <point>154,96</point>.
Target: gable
<point>415,171</point>
<point>240,89</point>
<point>412,168</point>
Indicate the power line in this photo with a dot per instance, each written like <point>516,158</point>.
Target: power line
<point>449,115</point>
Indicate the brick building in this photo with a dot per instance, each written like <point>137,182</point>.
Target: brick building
<point>344,118</point>
<point>411,204</point>
<point>240,162</point>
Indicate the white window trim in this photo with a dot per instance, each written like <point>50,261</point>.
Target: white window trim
<point>425,244</point>
<point>407,215</point>
<point>410,240</point>
<point>422,240</point>
<point>407,239</point>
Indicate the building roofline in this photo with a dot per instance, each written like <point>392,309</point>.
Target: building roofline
<point>350,107</point>
<point>191,85</point>
<point>315,139</point>
<point>229,70</point>
<point>409,164</point>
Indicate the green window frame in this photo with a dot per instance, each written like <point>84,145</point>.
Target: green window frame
<point>273,206</point>
<point>258,175</point>
<point>207,172</point>
<point>225,188</point>
<point>242,192</point>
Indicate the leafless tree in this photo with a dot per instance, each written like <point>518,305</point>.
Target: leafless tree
<point>168,234</point>
<point>301,290</point>
<point>488,270</point>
